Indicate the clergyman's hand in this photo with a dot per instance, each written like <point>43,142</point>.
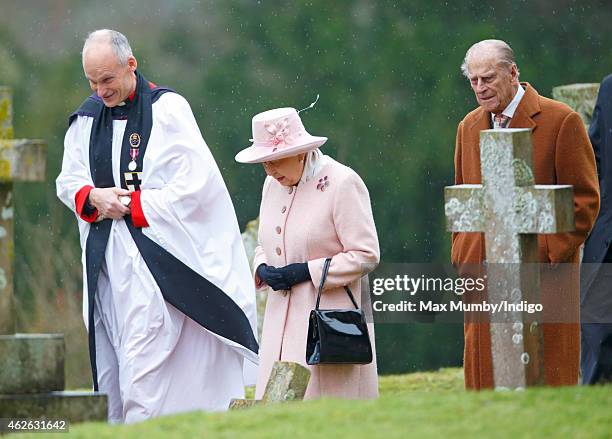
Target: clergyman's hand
<point>106,200</point>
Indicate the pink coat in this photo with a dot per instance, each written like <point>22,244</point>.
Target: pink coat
<point>306,224</point>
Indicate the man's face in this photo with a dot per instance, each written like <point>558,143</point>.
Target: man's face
<point>494,83</point>
<point>107,78</point>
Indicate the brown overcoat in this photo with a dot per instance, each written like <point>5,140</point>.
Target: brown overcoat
<point>562,154</point>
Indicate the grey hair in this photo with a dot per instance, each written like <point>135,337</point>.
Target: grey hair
<point>117,41</point>
<point>505,54</point>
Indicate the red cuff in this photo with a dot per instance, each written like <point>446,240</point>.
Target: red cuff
<point>79,200</point>
<point>258,282</point>
<point>138,217</point>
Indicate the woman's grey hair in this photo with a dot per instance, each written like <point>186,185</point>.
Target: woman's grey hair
<point>118,42</point>
<point>505,54</point>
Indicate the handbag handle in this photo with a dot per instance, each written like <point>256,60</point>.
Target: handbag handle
<point>326,265</point>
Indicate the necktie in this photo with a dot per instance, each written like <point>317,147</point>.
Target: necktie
<point>500,121</point>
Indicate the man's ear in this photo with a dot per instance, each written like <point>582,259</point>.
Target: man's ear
<point>514,73</point>
<point>132,63</point>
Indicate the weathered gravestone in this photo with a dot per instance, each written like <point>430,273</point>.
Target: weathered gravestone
<point>31,365</point>
<point>580,97</point>
<point>287,382</point>
<point>249,238</point>
<point>511,210</point>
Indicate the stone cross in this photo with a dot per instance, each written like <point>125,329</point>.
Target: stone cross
<point>511,210</point>
<point>31,365</point>
<point>20,160</point>
<point>287,382</point>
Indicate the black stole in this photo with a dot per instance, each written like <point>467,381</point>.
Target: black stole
<point>186,290</point>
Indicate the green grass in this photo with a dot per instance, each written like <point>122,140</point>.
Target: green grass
<point>443,380</point>
<point>420,405</point>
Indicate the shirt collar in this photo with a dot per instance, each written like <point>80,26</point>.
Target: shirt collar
<point>128,100</point>
<point>512,106</point>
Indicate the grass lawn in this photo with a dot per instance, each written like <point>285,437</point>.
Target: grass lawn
<point>418,405</point>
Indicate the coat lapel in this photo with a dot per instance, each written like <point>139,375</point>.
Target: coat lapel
<point>527,108</point>
<point>482,121</point>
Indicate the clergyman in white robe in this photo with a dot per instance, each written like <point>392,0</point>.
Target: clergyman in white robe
<point>151,358</point>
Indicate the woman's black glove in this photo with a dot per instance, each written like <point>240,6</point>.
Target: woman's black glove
<point>283,278</point>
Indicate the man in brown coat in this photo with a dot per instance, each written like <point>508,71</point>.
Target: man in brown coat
<point>562,154</point>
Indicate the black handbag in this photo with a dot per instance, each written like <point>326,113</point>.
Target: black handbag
<point>337,336</point>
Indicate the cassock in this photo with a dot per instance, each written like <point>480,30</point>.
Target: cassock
<point>168,288</point>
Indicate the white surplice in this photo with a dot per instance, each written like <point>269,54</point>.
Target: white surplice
<point>151,358</point>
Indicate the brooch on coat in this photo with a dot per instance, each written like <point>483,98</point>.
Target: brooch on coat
<point>323,183</point>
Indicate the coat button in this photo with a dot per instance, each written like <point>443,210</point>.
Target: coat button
<point>278,251</point>
<point>290,190</point>
<point>278,229</point>
<point>284,209</point>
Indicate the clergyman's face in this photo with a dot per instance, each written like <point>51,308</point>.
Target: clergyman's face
<point>107,77</point>
<point>494,83</point>
<point>287,171</point>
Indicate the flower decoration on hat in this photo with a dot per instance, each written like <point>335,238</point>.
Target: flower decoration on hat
<point>279,132</point>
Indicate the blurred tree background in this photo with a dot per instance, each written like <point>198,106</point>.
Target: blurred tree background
<point>391,97</point>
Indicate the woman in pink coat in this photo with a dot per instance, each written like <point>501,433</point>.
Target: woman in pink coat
<point>312,207</point>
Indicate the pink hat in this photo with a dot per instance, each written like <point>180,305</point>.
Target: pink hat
<point>277,134</point>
